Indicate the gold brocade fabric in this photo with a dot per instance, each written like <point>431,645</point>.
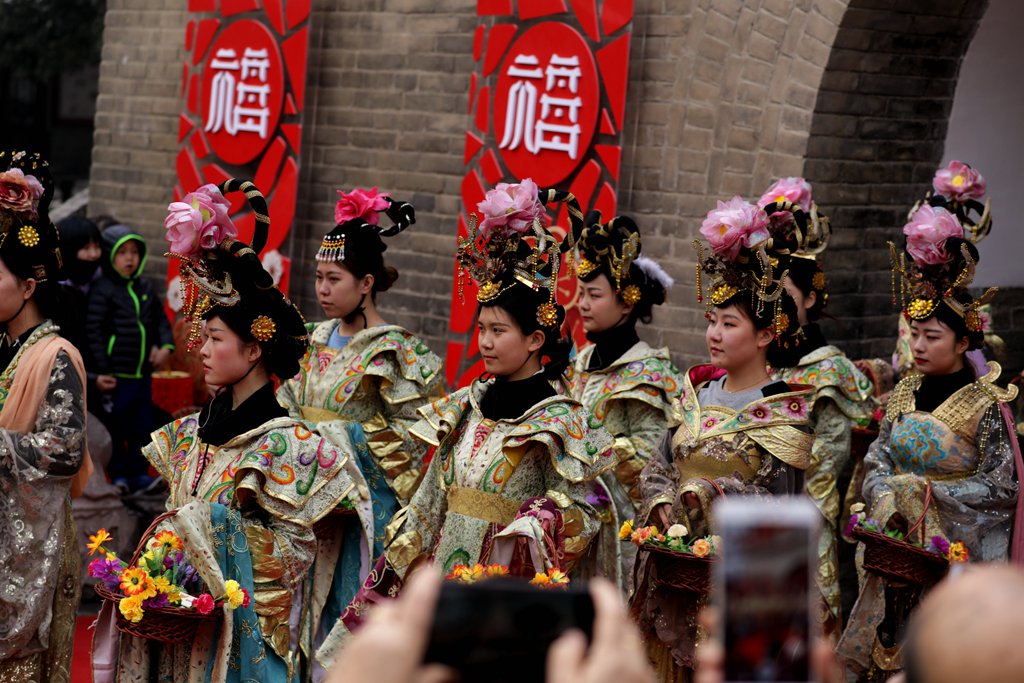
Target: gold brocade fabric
<point>963,450</point>
<point>754,451</point>
<point>283,477</point>
<point>632,399</point>
<point>549,451</point>
<point>379,379</point>
<point>842,395</point>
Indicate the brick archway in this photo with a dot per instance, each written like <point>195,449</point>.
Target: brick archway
<point>877,134</point>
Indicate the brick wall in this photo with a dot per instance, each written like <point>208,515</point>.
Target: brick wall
<point>724,96</point>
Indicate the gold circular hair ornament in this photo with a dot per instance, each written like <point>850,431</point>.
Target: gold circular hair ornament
<point>973,321</point>
<point>547,314</point>
<point>921,308</point>
<point>585,267</point>
<point>819,281</point>
<point>28,236</point>
<point>263,328</point>
<point>631,295</point>
<point>488,291</point>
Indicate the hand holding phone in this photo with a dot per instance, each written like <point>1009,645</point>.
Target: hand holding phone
<point>765,587</point>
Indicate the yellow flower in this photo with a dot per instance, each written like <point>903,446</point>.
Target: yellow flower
<point>701,547</point>
<point>96,541</point>
<point>496,570</point>
<point>136,582</point>
<point>162,585</point>
<point>131,608</point>
<point>541,580</point>
<point>957,552</point>
<point>167,540</point>
<point>626,530</point>
<point>558,577</point>
<point>475,572</point>
<point>174,595</point>
<point>233,592</point>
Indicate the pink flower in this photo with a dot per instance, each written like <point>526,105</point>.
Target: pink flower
<point>735,224</point>
<point>514,207</point>
<point>927,232</point>
<point>245,598</point>
<point>20,193</point>
<point>796,190</point>
<point>204,604</point>
<point>199,221</point>
<point>760,413</point>
<point>959,182</point>
<point>362,204</point>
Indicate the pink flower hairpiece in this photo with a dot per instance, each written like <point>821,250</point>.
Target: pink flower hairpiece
<point>199,221</point>
<point>927,232</point>
<point>20,193</point>
<point>362,204</point>
<point>513,207</point>
<point>735,224</point>
<point>959,182</point>
<point>792,189</point>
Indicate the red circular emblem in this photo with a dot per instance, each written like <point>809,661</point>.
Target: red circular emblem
<point>546,103</point>
<point>243,89</point>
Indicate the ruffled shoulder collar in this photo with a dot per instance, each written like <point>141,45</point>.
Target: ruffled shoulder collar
<point>832,373</point>
<point>971,399</point>
<point>416,362</point>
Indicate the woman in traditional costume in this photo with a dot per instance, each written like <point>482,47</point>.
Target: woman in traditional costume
<point>43,458</point>
<point>366,378</point>
<point>946,452</point>
<point>247,482</point>
<point>841,392</point>
<point>507,484</point>
<point>739,433</point>
<point>626,385</point>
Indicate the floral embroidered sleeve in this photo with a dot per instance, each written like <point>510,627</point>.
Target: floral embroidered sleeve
<point>55,448</point>
<point>878,473</point>
<point>976,504</point>
<point>659,479</point>
<point>829,455</point>
<point>635,443</point>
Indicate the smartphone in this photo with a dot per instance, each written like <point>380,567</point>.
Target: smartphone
<point>500,629</point>
<point>765,587</point>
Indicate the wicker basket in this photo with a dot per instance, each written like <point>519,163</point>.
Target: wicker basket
<point>684,571</point>
<point>896,560</point>
<point>164,624</point>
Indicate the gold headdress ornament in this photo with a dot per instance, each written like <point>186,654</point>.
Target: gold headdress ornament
<point>208,274</point>
<point>512,245</point>
<point>742,261</point>
<point>940,259</point>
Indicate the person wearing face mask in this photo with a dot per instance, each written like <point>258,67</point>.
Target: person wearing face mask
<point>946,457</point>
<point>739,431</point>
<point>366,378</point>
<point>842,393</point>
<point>246,481</point>
<point>508,481</point>
<point>626,385</point>
<point>80,255</point>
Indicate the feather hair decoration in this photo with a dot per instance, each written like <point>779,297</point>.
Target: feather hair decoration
<point>655,272</point>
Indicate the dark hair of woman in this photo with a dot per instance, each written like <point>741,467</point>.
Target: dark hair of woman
<point>801,273</point>
<point>521,304</point>
<point>764,318</point>
<point>651,293</point>
<point>278,357</point>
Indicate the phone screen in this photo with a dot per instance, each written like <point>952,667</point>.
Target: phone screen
<point>766,581</point>
<point>500,630</point>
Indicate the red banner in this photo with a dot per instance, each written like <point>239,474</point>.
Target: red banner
<point>547,101</point>
<point>243,83</point>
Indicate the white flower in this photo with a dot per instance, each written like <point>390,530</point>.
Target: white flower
<point>187,600</point>
<point>174,294</point>
<point>676,531</point>
<point>856,508</point>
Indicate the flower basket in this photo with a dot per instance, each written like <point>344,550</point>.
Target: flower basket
<point>681,570</point>
<point>164,624</point>
<point>899,560</point>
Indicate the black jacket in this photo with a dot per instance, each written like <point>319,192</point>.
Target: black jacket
<point>125,318</point>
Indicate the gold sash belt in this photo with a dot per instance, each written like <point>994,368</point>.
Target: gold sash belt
<point>314,414</point>
<point>490,507</point>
